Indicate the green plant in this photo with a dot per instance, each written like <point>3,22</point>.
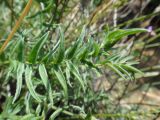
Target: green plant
<point>54,82</point>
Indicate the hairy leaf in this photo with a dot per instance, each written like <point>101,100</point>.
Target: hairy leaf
<point>21,50</point>
<point>20,71</point>
<point>73,68</point>
<point>44,77</point>
<point>56,113</point>
<point>114,36</point>
<point>61,49</point>
<point>61,79</point>
<point>28,79</point>
<point>72,51</point>
<point>115,69</point>
<point>34,53</point>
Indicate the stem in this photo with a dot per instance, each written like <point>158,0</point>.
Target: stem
<point>24,13</point>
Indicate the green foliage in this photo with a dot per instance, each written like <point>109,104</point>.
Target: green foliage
<point>20,71</point>
<point>61,78</point>
<point>48,70</point>
<point>73,50</point>
<point>58,72</point>
<point>122,65</point>
<point>114,36</point>
<point>29,83</point>
<point>35,50</point>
